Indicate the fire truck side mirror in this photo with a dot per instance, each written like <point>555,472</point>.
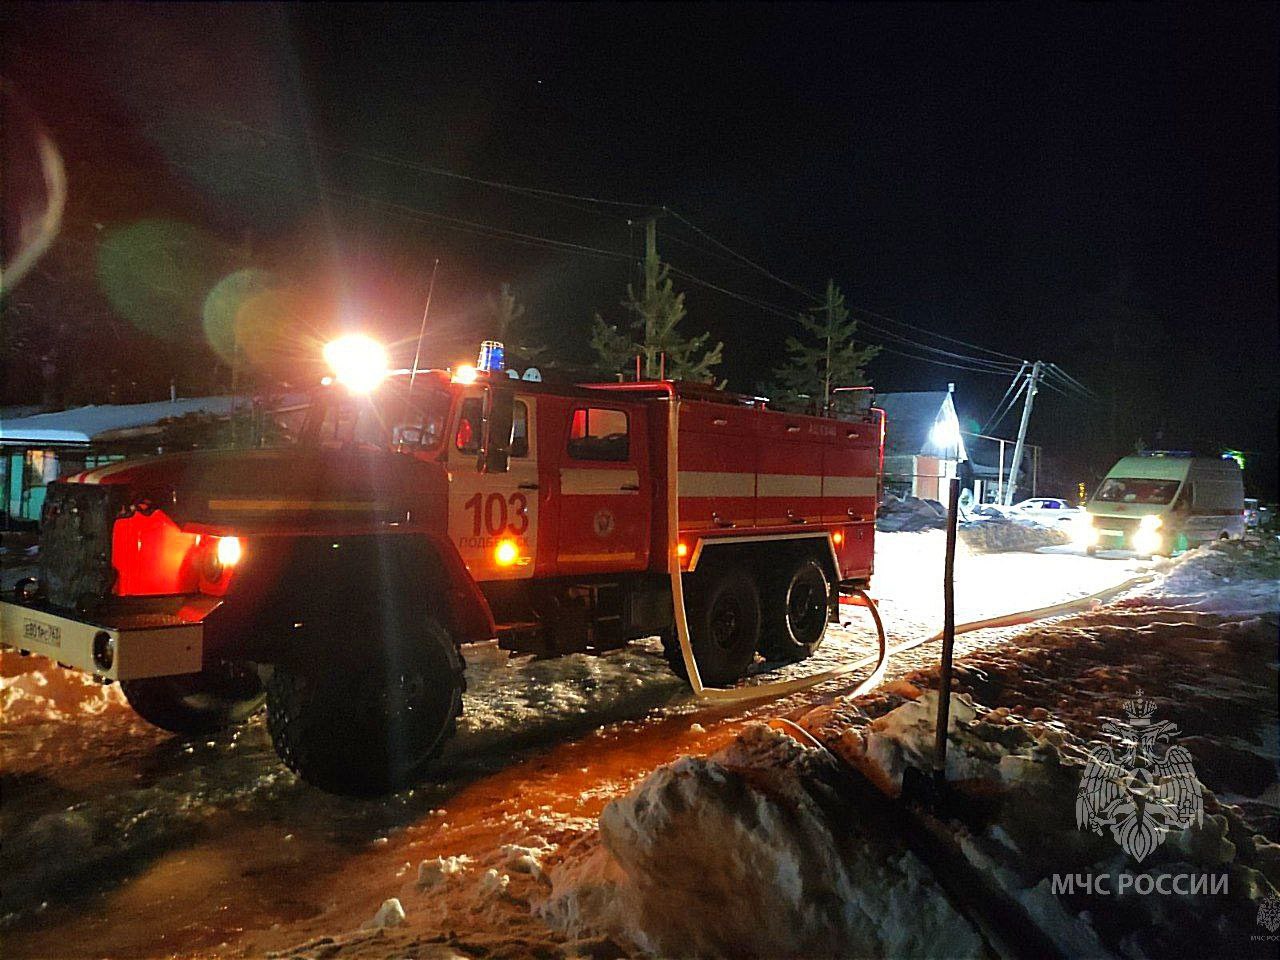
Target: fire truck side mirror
<point>495,430</point>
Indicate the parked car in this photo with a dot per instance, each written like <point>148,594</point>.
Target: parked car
<point>1048,511</point>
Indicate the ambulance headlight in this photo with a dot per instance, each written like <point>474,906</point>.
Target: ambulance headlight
<point>1146,540</point>
<point>1151,522</point>
<point>1083,532</point>
<point>358,362</point>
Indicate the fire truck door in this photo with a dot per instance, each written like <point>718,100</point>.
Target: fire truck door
<point>493,517</point>
<point>604,491</point>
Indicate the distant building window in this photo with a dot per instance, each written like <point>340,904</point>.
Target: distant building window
<point>598,433</point>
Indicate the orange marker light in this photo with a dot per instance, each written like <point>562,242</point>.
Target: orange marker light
<point>506,553</point>
<point>837,538</point>
<point>682,549</point>
<point>229,551</point>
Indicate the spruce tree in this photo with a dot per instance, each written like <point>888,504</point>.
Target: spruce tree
<point>652,331</point>
<point>828,358</point>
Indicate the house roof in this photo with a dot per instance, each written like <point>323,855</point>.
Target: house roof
<point>910,419</point>
<point>80,425</point>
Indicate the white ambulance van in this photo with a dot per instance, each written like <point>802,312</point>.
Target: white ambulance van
<point>1164,501</point>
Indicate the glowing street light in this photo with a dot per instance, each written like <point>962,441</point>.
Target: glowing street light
<point>358,362</point>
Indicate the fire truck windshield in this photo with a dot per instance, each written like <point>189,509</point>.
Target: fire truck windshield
<point>384,420</point>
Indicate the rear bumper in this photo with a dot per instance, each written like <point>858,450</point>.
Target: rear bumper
<point>136,651</point>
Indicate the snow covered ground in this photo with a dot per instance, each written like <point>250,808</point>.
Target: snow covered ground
<point>119,835</point>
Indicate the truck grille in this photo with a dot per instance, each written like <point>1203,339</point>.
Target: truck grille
<point>75,543</point>
<point>1124,527</point>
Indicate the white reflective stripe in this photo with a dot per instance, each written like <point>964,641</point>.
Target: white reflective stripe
<point>696,483</point>
<point>587,481</point>
<point>848,486</point>
<point>788,485</point>
<point>97,473</point>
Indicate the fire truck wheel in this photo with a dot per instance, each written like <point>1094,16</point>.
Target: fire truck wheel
<point>795,609</point>
<point>197,703</point>
<point>724,626</point>
<point>370,724</point>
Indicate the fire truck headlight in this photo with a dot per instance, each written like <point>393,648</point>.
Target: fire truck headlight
<point>358,362</point>
<point>506,553</point>
<point>229,551</point>
<point>1151,522</point>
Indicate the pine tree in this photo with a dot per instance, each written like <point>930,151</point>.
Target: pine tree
<point>505,322</point>
<point>831,359</point>
<point>652,332</point>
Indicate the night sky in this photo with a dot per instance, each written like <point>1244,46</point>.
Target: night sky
<point>1091,185</point>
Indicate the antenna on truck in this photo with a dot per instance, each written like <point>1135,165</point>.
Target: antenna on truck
<point>422,331</point>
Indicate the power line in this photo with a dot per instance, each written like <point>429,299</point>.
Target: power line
<point>992,365</point>
<point>810,295</point>
<point>438,171</point>
<point>751,263</point>
<point>781,312</point>
<point>998,413</point>
<point>572,199</point>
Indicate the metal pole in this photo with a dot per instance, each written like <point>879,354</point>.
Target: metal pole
<point>1000,477</point>
<point>1032,388</point>
<point>948,639</point>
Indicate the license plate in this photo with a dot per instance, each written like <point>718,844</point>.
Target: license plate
<point>1112,533</point>
<point>41,633</point>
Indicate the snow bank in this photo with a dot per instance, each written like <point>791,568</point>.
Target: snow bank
<point>910,515</point>
<point>1222,577</point>
<point>750,853</point>
<point>998,535</point>
<point>32,690</point>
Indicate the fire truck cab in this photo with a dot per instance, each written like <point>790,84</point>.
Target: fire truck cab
<point>340,577</point>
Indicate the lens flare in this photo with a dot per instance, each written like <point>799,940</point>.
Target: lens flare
<point>358,362</point>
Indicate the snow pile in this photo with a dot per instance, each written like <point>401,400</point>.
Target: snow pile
<point>1223,577</point>
<point>511,700</point>
<point>390,914</point>
<point>910,515</point>
<point>750,852</point>
<point>997,534</point>
<point>432,873</point>
<point>33,690</point>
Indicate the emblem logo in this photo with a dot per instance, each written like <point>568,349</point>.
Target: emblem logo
<point>1269,914</point>
<point>603,523</point>
<point>1135,791</point>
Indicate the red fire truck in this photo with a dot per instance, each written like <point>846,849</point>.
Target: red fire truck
<point>339,577</point>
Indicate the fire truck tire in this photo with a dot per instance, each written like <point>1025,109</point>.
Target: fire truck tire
<point>724,626</point>
<point>794,611</point>
<point>368,725</point>
<point>197,703</point>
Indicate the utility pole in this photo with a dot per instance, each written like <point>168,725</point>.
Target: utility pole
<point>650,290</point>
<point>1032,387</point>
